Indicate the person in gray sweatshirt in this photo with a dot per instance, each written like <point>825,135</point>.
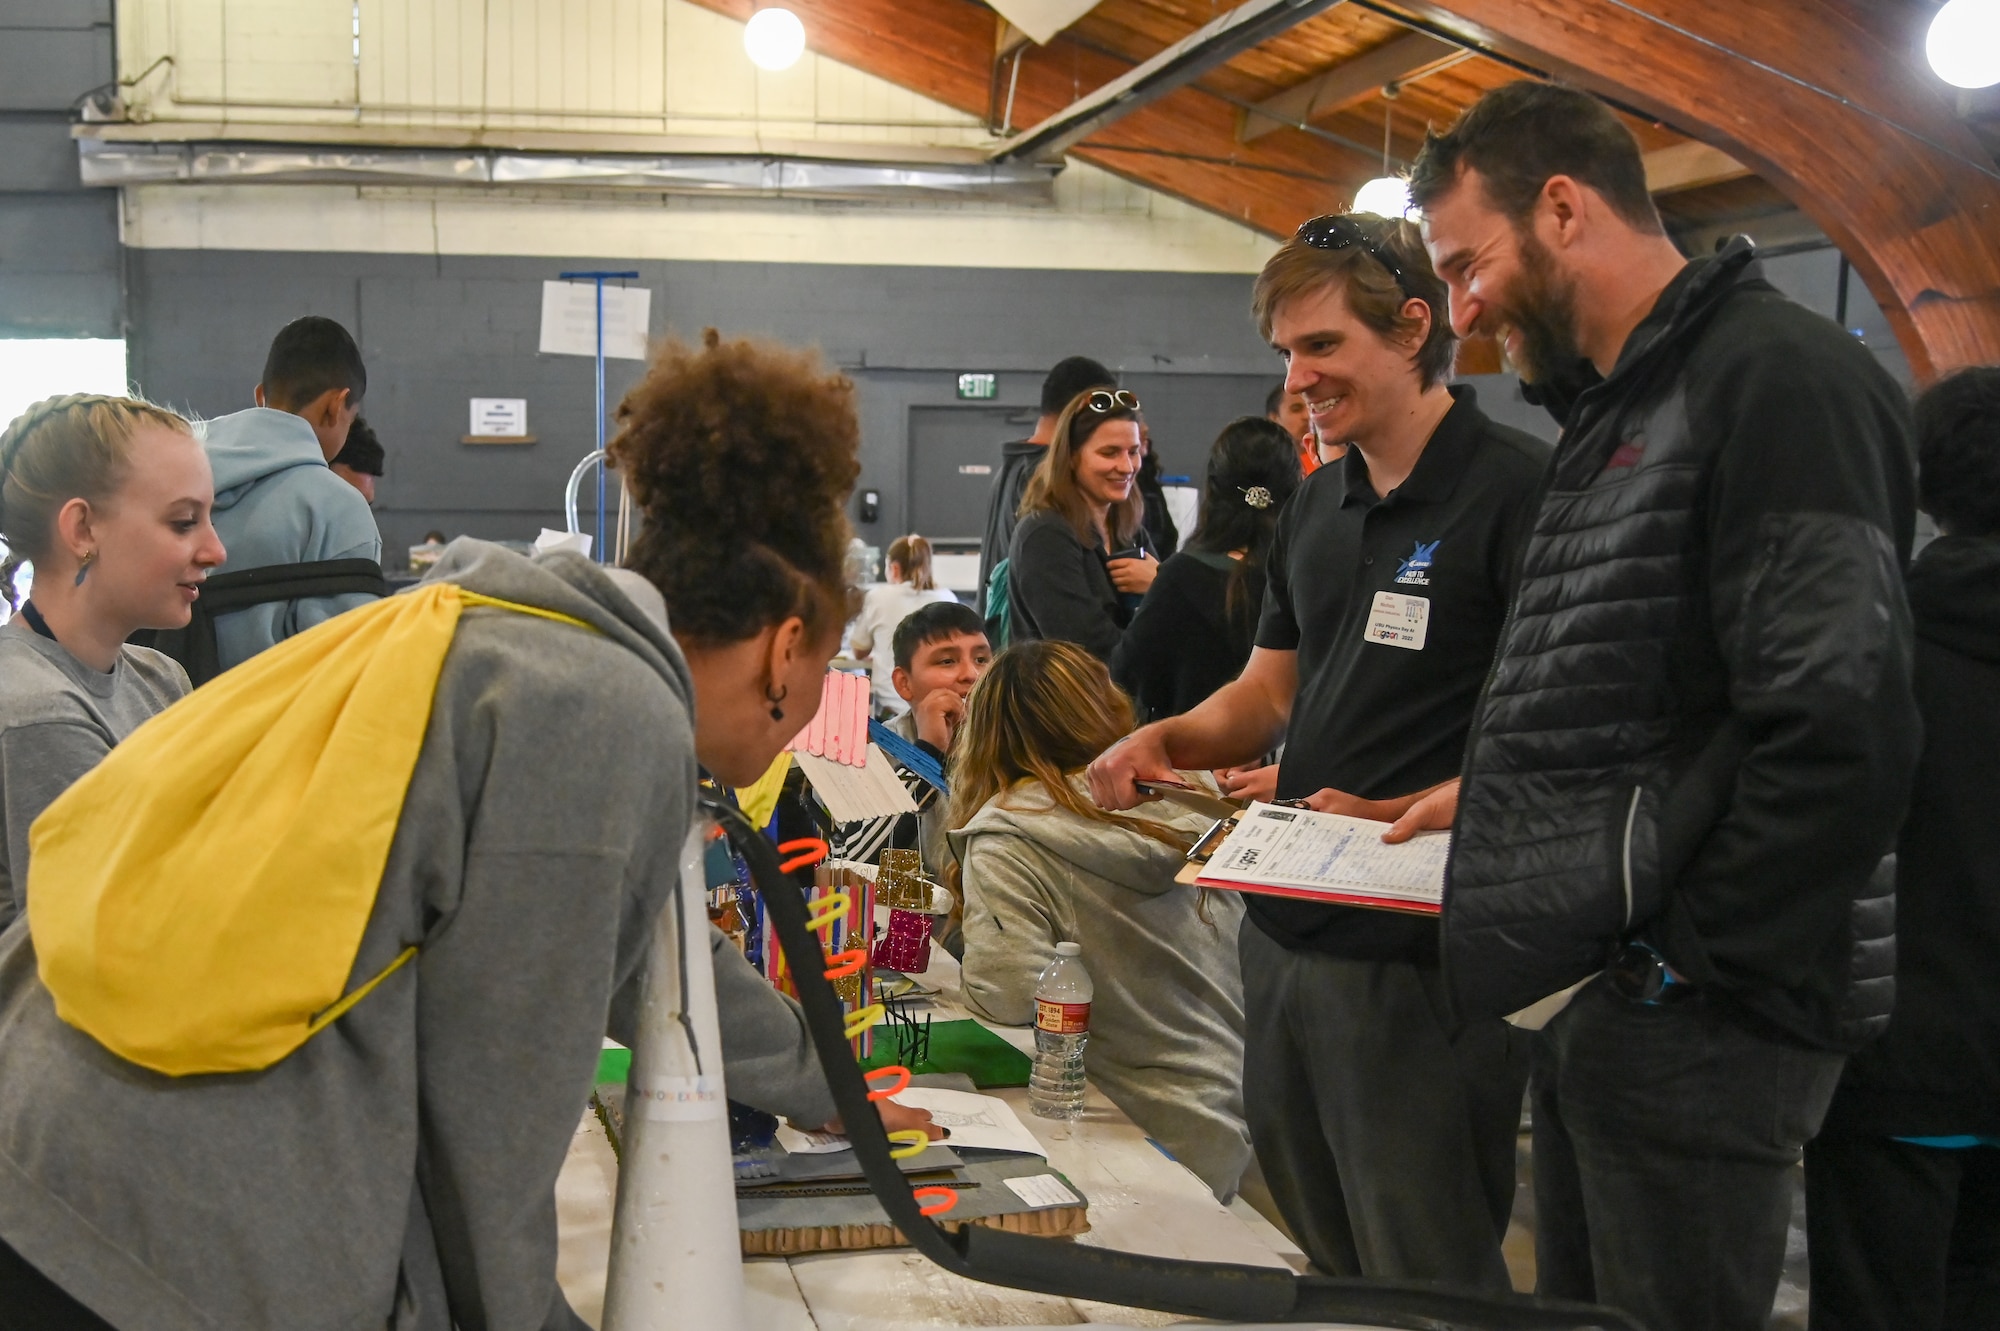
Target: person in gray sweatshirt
<point>398,1169</point>
<point>1039,864</point>
<point>276,499</point>
<point>109,499</point>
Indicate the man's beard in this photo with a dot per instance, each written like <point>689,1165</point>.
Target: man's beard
<point>1542,309</point>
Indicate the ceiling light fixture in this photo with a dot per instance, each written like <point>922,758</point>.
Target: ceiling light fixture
<point>1387,195</point>
<point>1963,44</point>
<point>774,39</point>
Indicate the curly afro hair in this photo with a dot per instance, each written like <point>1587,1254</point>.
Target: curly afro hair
<point>1958,451</point>
<point>741,455</point>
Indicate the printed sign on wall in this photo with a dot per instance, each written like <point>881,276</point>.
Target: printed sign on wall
<point>499,417</point>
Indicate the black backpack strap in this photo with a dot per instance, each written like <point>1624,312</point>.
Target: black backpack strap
<point>225,593</point>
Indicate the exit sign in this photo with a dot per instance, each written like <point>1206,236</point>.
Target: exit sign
<point>978,385</point>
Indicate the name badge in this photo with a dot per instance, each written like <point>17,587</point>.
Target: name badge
<point>1396,620</point>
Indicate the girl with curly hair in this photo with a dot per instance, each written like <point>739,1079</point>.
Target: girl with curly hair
<point>397,1166</point>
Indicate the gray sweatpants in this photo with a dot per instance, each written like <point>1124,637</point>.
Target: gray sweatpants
<point>1386,1134</point>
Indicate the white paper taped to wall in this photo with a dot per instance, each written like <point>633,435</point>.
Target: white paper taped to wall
<point>569,320</point>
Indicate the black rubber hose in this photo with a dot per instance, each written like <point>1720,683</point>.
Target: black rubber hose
<point>1054,1266</point>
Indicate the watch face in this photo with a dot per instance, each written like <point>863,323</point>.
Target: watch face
<point>1638,974</point>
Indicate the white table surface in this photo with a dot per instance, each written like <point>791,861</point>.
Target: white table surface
<point>1140,1201</point>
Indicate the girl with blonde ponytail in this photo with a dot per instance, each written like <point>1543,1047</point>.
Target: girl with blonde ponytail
<point>909,589</point>
<point>108,499</point>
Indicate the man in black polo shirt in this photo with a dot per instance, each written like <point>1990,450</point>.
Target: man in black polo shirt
<point>1384,1129</point>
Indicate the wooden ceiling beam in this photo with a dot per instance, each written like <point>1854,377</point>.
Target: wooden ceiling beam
<point>1348,84</point>
<point>1215,43</point>
<point>1183,145</point>
<point>1690,165</point>
<point>1825,99</point>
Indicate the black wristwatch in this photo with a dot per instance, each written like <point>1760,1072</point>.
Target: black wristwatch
<point>1640,974</point>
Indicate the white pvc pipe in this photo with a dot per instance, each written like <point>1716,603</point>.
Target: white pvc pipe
<point>676,1255</point>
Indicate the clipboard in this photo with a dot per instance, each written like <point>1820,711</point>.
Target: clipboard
<point>1193,873</point>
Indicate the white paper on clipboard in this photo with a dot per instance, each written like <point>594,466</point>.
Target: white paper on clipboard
<point>1305,853</point>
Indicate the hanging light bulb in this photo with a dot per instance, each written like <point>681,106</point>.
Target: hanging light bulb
<point>1963,44</point>
<point>1385,196</point>
<point>774,39</point>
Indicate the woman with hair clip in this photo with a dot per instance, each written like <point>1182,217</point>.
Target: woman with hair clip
<point>394,1164</point>
<point>1040,864</point>
<point>108,498</point>
<point>909,589</point>
<point>1081,543</point>
<point>1194,631</point>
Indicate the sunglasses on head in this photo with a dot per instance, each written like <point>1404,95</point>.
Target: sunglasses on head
<point>1105,401</point>
<point>1337,231</point>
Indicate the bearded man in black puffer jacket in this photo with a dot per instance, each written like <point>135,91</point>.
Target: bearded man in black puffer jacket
<point>1698,738</point>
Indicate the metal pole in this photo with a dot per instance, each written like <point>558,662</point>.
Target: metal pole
<point>600,419</point>
<point>599,539</point>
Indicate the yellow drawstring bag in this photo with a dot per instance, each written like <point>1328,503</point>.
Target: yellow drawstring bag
<point>197,900</point>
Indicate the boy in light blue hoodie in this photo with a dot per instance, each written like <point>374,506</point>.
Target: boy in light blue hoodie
<point>276,500</point>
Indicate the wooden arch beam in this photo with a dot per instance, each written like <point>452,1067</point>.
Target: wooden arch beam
<point>1183,144</point>
<point>1872,151</point>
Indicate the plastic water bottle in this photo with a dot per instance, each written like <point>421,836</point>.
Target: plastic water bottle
<point>1062,1028</point>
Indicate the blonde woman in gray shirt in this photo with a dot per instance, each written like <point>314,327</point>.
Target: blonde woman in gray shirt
<point>1039,864</point>
<point>109,499</point>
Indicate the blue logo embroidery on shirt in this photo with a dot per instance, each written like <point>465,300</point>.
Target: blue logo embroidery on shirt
<point>1416,567</point>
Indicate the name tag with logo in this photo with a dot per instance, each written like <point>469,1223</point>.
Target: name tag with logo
<point>1396,620</point>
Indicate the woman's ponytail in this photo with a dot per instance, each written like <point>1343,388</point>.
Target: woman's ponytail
<point>912,554</point>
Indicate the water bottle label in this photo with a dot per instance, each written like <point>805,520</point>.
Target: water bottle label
<point>1062,1018</point>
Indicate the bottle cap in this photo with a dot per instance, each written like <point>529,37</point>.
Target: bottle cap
<point>1069,949</point>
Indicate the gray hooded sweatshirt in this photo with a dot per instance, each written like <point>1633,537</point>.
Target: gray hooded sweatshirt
<point>398,1170</point>
<point>1166,1020</point>
<point>277,502</point>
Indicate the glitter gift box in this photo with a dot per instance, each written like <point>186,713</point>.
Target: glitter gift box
<point>907,945</point>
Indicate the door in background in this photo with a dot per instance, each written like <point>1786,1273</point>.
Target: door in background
<point>954,456</point>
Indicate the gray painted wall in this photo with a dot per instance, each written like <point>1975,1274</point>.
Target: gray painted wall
<point>439,331</point>
<point>59,255</point>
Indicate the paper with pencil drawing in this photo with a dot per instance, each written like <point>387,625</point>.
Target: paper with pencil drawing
<point>977,1123</point>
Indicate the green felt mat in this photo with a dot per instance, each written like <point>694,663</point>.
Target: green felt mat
<point>614,1066</point>
<point>956,1046</point>
<point>960,1046</point>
